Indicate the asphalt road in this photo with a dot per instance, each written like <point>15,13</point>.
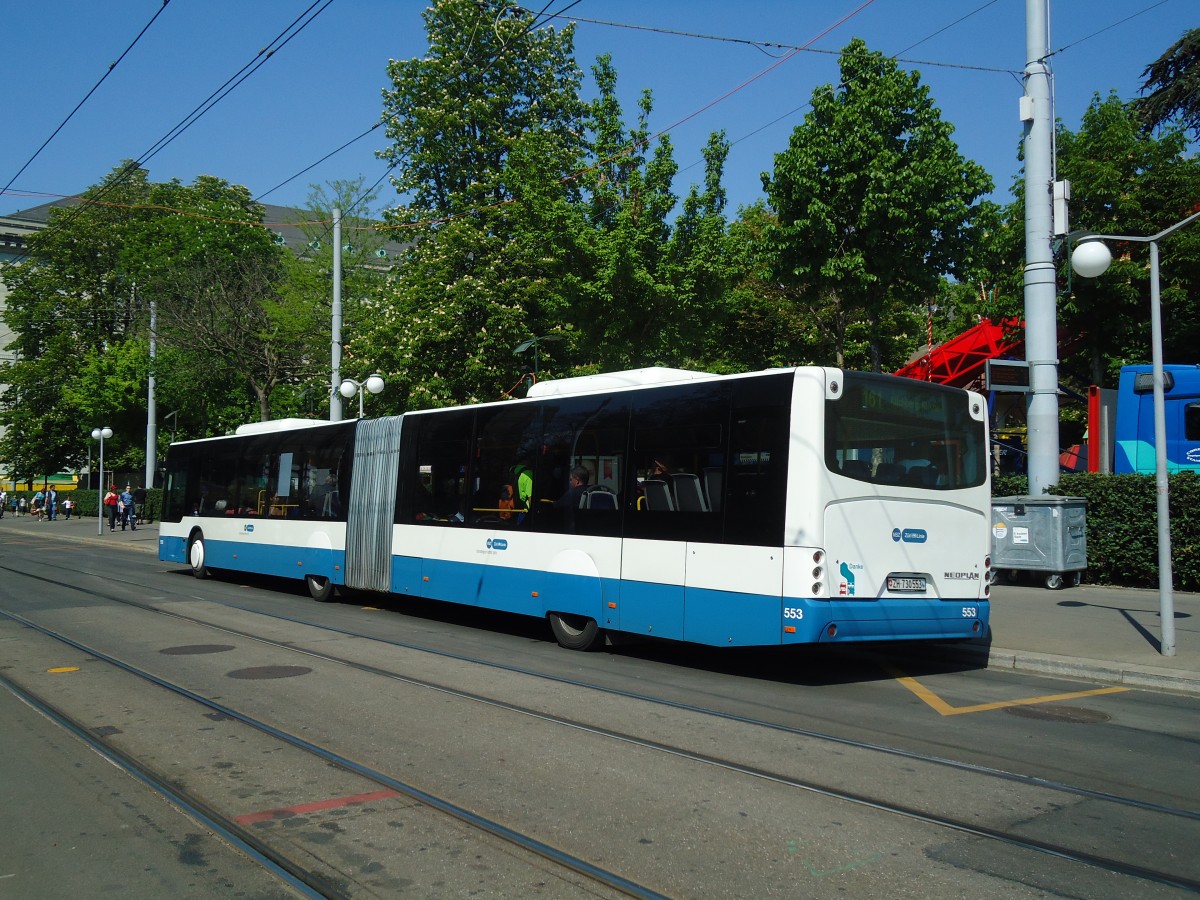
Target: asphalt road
<point>579,750</point>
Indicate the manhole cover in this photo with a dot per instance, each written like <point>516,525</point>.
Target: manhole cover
<point>260,672</point>
<point>1069,714</point>
<point>192,649</point>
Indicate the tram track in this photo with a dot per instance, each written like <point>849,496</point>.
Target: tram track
<point>287,868</point>
<point>962,825</point>
<point>1017,778</point>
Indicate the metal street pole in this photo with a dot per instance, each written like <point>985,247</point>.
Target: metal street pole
<point>335,381</point>
<point>99,434</point>
<point>1041,319</point>
<point>1091,265</point>
<point>151,402</point>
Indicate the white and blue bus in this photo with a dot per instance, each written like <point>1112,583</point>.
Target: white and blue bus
<point>782,507</point>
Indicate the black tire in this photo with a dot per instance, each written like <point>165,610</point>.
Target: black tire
<point>1054,581</point>
<point>575,632</point>
<point>197,556</point>
<point>1076,579</point>
<point>320,588</point>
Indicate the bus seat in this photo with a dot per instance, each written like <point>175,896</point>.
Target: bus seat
<point>658,496</point>
<point>856,468</point>
<point>923,476</point>
<point>891,473</point>
<point>598,497</point>
<point>712,487</point>
<point>688,496</point>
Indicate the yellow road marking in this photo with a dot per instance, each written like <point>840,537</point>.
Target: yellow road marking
<point>61,670</point>
<point>945,709</point>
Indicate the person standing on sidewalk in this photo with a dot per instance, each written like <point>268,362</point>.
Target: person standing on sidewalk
<point>3,501</point>
<point>110,507</point>
<point>128,513</point>
<point>139,503</point>
<point>51,503</point>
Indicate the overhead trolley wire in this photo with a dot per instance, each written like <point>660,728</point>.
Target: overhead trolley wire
<point>535,21</point>
<point>278,42</point>
<point>235,80</point>
<point>1105,28</point>
<point>79,105</point>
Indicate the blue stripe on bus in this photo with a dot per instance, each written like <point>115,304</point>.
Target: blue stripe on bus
<point>703,616</point>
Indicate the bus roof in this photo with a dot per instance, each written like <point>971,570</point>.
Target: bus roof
<point>273,425</point>
<point>608,381</point>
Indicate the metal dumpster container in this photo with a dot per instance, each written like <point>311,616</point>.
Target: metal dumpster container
<point>1045,535</point>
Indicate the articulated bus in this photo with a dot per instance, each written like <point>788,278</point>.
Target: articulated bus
<point>781,507</point>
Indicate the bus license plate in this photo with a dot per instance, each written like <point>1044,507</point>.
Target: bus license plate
<point>898,584</point>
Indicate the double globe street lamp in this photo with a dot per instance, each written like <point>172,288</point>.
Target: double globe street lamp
<point>1090,259</point>
<point>99,434</point>
<point>349,387</point>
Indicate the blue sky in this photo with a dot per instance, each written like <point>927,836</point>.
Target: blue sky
<point>323,88</point>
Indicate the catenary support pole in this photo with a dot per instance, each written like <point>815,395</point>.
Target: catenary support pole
<point>1041,320</point>
<point>335,398</point>
<point>151,402</point>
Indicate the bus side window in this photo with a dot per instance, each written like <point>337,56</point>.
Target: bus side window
<point>589,435</point>
<point>680,436</point>
<point>435,454</point>
<point>1191,422</point>
<point>502,468</point>
<point>756,493</point>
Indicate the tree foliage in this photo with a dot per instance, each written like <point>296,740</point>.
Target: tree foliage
<point>1173,81</point>
<point>874,205</point>
<point>79,307</point>
<point>1127,181</point>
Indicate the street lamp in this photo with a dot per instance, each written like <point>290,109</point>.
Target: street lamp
<point>350,387</point>
<point>535,344</point>
<point>1090,259</point>
<point>99,434</point>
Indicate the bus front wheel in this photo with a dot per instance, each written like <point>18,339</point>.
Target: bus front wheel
<point>575,632</point>
<point>320,588</point>
<point>196,555</point>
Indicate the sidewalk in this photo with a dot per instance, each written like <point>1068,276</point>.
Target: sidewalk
<point>1105,634</point>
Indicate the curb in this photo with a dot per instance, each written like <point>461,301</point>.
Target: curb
<point>1104,671</point>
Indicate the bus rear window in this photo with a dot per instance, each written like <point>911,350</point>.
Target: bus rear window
<point>896,431</point>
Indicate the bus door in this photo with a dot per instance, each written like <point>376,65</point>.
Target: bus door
<point>372,507</point>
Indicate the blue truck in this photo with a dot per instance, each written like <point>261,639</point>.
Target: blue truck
<point>1134,437</point>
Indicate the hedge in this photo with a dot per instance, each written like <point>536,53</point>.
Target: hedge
<point>1122,525</point>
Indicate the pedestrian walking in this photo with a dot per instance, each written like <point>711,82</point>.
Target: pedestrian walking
<point>110,507</point>
<point>128,513</point>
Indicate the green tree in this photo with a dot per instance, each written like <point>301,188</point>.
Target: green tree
<point>759,323</point>
<point>1125,180</point>
<point>874,204</point>
<point>454,115</point>
<point>628,308</point>
<point>485,128</point>
<point>1173,81</point>
<point>79,307</point>
<point>71,301</point>
<point>306,290</point>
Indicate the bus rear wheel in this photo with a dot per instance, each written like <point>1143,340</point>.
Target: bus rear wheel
<point>320,588</point>
<point>575,632</point>
<point>196,555</point>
